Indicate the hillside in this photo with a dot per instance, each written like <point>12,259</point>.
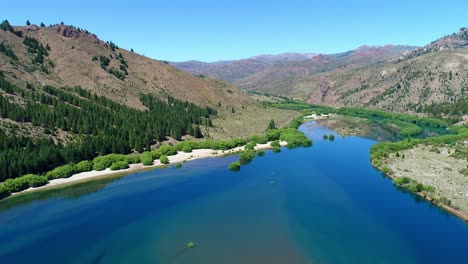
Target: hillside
<point>235,70</point>
<point>78,58</point>
<point>272,73</point>
<point>66,96</point>
<point>418,81</point>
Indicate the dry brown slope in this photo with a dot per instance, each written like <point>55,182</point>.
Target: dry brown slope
<point>402,86</point>
<point>72,50</point>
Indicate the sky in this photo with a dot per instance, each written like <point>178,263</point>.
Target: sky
<point>209,30</point>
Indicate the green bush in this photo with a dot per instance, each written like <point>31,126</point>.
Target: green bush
<point>331,137</point>
<point>64,171</point>
<point>133,159</point>
<point>260,139</point>
<point>325,137</point>
<point>246,156</point>
<point>273,134</point>
<point>146,158</point>
<point>119,165</point>
<point>35,180</point>
<point>178,165</point>
<point>83,166</point>
<point>250,146</point>
<point>16,185</point>
<point>235,166</point>
<point>295,138</point>
<point>276,149</point>
<point>275,143</point>
<point>99,166</point>
<point>187,149</point>
<point>164,159</point>
<point>3,192</point>
<point>102,162</point>
<point>156,154</point>
<point>167,150</point>
<point>260,152</point>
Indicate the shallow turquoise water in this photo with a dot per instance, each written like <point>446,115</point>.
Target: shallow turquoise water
<point>323,204</point>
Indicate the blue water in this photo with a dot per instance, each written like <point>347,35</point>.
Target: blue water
<point>322,204</point>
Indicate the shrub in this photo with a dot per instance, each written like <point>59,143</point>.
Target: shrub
<point>331,137</point>
<point>164,159</point>
<point>119,165</point>
<point>250,146</point>
<point>83,166</point>
<point>155,154</point>
<point>147,159</point>
<point>99,166</point>
<point>35,180</point>
<point>419,187</point>
<point>235,166</point>
<point>295,138</point>
<point>3,192</point>
<point>167,150</point>
<point>132,159</point>
<point>178,165</point>
<point>102,162</point>
<point>276,149</point>
<point>16,185</point>
<point>187,149</point>
<point>273,134</point>
<point>260,152</point>
<point>275,143</point>
<point>246,156</point>
<point>385,170</point>
<point>64,171</point>
<point>325,137</point>
<point>259,139</point>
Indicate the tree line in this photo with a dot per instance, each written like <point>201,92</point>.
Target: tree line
<point>101,126</point>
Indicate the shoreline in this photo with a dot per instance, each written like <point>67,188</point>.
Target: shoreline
<point>174,159</point>
<point>460,214</point>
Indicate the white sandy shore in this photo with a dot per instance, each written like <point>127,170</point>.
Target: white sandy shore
<point>179,157</point>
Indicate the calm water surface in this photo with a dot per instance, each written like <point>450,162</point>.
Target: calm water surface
<point>323,204</point>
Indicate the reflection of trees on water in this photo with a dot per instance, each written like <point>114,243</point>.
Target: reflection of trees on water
<point>74,191</point>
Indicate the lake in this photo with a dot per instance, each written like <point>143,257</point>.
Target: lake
<point>322,204</point>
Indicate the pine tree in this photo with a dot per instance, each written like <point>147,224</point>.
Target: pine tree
<point>271,125</point>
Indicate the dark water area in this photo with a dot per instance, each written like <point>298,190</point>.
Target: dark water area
<point>322,204</point>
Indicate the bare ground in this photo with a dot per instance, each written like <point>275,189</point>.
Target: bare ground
<point>433,166</point>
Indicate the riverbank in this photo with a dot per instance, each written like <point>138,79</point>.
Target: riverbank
<point>174,159</point>
<point>462,215</point>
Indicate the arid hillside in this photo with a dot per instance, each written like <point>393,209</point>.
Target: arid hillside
<point>76,57</point>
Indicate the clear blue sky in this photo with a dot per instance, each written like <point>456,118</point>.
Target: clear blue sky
<point>211,30</point>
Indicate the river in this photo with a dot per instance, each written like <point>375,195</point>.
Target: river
<point>322,204</point>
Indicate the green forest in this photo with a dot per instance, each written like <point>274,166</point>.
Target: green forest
<point>99,126</point>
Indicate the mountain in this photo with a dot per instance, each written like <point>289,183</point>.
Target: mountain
<point>78,58</point>
<point>67,97</point>
<point>235,70</point>
<point>416,81</point>
<point>280,73</point>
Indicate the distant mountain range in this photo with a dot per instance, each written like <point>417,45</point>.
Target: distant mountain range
<point>270,73</point>
<point>396,78</point>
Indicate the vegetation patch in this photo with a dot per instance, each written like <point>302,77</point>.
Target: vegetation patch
<point>119,165</point>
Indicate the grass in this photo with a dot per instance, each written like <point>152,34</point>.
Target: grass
<point>247,122</point>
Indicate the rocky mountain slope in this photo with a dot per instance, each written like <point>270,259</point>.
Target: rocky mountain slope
<point>279,73</point>
<point>436,73</point>
<point>235,70</point>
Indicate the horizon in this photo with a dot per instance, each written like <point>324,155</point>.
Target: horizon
<point>211,31</point>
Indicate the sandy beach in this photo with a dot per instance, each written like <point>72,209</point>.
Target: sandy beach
<point>179,157</point>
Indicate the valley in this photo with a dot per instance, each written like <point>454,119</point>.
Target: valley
<point>111,156</point>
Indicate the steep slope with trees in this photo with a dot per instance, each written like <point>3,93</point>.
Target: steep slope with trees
<point>61,55</point>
